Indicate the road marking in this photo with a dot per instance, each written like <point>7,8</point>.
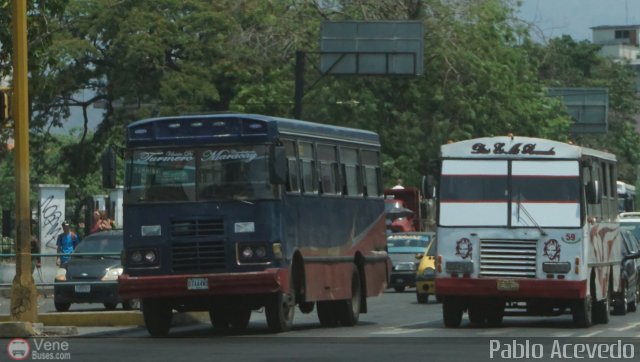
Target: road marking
<point>403,330</point>
<point>630,326</point>
<point>591,334</point>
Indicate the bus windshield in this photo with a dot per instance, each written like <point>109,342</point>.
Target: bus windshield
<point>526,194</point>
<point>207,173</point>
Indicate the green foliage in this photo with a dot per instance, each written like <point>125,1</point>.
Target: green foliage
<point>483,75</point>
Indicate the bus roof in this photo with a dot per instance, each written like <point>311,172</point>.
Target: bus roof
<point>519,148</point>
<point>234,127</point>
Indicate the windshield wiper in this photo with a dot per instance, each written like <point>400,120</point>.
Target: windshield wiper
<point>528,215</point>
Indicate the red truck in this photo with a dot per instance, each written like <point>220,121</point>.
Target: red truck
<point>404,213</point>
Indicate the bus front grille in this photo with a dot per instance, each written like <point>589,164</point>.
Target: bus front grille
<point>502,258</point>
<point>205,256</point>
<point>197,227</point>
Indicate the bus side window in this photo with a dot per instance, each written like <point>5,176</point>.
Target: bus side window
<point>371,173</point>
<point>351,180</point>
<point>307,167</point>
<point>328,160</point>
<point>293,176</point>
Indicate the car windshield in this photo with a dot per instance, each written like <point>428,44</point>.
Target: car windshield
<point>100,243</point>
<point>408,241</point>
<point>633,227</point>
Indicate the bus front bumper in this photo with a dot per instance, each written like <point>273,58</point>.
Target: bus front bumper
<point>512,288</point>
<point>187,285</point>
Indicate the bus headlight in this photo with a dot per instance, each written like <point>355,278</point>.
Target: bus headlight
<point>143,258</point>
<point>252,253</point>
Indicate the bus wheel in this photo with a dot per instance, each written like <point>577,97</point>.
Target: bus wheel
<point>327,313</point>
<point>280,309</point>
<point>581,312</point>
<point>601,311</point>
<point>157,317</point>
<point>451,312</point>
<point>349,309</point>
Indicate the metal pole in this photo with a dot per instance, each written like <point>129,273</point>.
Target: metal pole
<point>299,83</point>
<point>24,305</point>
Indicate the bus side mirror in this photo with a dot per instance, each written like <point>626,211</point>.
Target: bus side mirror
<point>592,191</point>
<point>278,166</point>
<point>428,187</point>
<point>109,168</point>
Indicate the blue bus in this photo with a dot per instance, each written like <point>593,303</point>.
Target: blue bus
<point>230,213</point>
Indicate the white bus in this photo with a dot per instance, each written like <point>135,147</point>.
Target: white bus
<point>626,197</point>
<point>526,226</point>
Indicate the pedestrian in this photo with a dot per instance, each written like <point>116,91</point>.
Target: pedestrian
<point>66,243</point>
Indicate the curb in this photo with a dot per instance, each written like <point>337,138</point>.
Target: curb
<point>65,323</point>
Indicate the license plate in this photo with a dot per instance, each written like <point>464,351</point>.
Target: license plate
<point>197,283</point>
<point>508,285</point>
<point>83,288</point>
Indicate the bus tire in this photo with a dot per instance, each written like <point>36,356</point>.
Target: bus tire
<point>280,309</point>
<point>157,317</point>
<point>581,310</point>
<point>601,311</point>
<point>349,309</point>
<point>327,313</point>
<point>451,312</point>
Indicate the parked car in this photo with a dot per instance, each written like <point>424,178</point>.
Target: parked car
<point>629,295</point>
<point>92,278</point>
<point>425,276</point>
<point>404,250</point>
<point>630,221</point>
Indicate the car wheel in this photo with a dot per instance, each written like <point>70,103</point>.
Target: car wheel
<point>620,303</point>
<point>422,298</point>
<point>62,307</point>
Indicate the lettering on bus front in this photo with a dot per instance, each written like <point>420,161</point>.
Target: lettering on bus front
<point>518,148</point>
<point>199,174</point>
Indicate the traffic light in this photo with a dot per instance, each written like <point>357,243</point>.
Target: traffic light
<point>4,105</point>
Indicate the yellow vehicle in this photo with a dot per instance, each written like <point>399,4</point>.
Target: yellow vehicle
<point>425,276</point>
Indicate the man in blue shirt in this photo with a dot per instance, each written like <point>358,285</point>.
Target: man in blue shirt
<point>66,243</point>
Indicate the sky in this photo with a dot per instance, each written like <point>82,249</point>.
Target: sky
<point>575,17</point>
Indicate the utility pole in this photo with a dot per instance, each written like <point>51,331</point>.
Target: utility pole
<point>24,305</point>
